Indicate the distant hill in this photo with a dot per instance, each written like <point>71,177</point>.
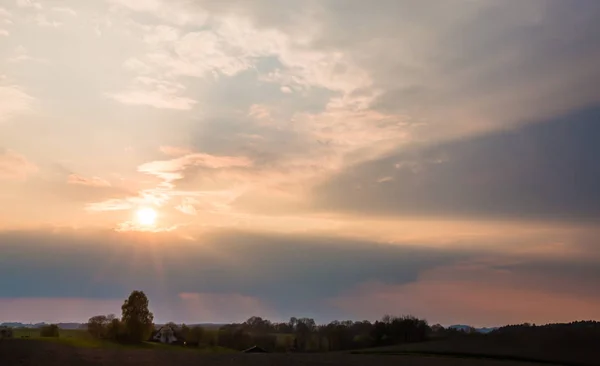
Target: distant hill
<point>23,325</point>
<point>203,325</point>
<point>466,328</point>
<point>39,325</point>
<point>83,325</point>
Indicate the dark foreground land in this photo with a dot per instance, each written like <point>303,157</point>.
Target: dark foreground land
<point>577,353</point>
<point>40,353</point>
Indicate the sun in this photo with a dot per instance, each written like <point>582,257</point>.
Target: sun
<point>145,216</point>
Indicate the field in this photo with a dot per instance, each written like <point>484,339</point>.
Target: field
<point>82,339</point>
<point>77,347</point>
<point>36,352</point>
<point>509,348</point>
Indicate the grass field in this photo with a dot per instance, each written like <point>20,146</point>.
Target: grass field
<point>498,348</point>
<point>82,339</point>
<point>36,352</point>
<point>477,348</point>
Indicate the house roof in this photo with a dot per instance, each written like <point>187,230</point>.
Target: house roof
<point>255,349</point>
<point>175,332</point>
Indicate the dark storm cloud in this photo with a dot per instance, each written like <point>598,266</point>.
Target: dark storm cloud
<point>286,274</point>
<point>285,271</point>
<point>544,170</point>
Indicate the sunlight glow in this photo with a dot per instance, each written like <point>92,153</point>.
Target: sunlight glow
<point>146,216</point>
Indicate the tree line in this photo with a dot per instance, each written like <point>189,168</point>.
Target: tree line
<point>136,324</point>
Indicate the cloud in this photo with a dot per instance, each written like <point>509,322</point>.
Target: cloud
<point>5,14</point>
<point>525,173</point>
<point>134,226</point>
<point>248,265</point>
<point>4,32</point>
<point>424,76</point>
<point>392,123</point>
<point>92,182</point>
<point>43,21</point>
<point>29,4</point>
<point>476,295</point>
<point>21,54</point>
<point>178,12</point>
<point>14,166</point>
<point>156,99</point>
<point>154,93</point>
<point>175,150</point>
<point>203,53</point>
<point>188,201</point>
<point>161,34</point>
<point>113,204</point>
<point>65,10</point>
<point>363,116</point>
<point>230,45</point>
<point>138,66</point>
<point>38,16</point>
<point>260,113</point>
<point>15,101</point>
<point>171,169</point>
<point>328,277</point>
<point>188,206</point>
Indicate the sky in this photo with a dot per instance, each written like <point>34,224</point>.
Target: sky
<point>335,159</point>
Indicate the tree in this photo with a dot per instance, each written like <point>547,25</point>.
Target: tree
<point>185,332</point>
<point>96,326</point>
<point>192,335</point>
<point>303,329</point>
<point>49,331</point>
<point>196,334</point>
<point>137,318</point>
<point>258,325</point>
<point>235,337</point>
<point>104,326</point>
<point>115,329</point>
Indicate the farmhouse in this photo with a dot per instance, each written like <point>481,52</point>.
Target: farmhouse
<point>166,334</point>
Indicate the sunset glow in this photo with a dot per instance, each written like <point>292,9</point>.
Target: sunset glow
<point>340,158</point>
<point>146,216</point>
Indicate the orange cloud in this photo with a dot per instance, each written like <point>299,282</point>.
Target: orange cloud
<point>161,167</point>
<point>113,204</point>
<point>175,150</point>
<point>14,166</point>
<point>92,182</point>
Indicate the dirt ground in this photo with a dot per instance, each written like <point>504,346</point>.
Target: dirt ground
<point>39,353</point>
<point>573,351</point>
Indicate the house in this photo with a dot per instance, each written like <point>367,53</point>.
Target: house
<point>255,349</point>
<point>168,335</point>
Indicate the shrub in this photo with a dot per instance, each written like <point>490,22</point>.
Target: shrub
<point>49,331</point>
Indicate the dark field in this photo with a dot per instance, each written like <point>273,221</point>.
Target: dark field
<point>42,353</point>
<point>581,352</point>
